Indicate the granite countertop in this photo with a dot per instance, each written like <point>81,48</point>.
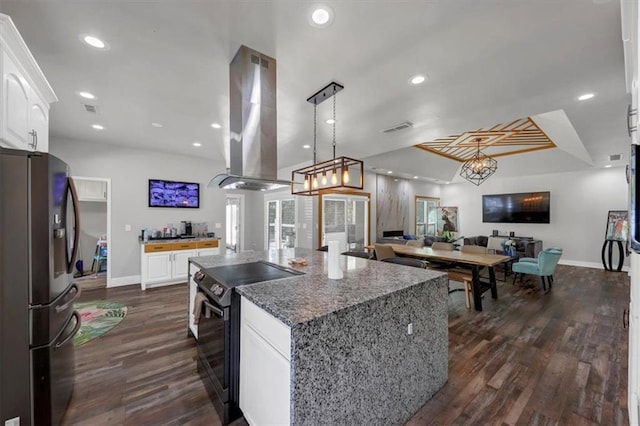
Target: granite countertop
<point>176,240</point>
<point>300,299</point>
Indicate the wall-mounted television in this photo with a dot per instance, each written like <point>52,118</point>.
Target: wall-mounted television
<point>524,207</point>
<point>169,193</point>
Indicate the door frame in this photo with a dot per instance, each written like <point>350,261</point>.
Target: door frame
<point>339,192</point>
<point>240,198</point>
<point>109,239</point>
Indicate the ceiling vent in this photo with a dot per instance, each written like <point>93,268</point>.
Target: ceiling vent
<point>398,127</point>
<point>615,157</point>
<point>91,108</point>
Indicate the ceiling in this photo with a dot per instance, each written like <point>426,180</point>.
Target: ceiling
<point>487,62</point>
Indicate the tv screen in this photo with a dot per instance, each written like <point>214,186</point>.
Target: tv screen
<point>168,193</point>
<point>526,207</point>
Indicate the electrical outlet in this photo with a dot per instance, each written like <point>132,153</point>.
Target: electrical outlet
<point>410,329</point>
<point>218,225</point>
<point>127,228</point>
<point>12,422</point>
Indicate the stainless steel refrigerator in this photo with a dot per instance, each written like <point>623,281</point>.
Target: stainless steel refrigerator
<point>39,228</point>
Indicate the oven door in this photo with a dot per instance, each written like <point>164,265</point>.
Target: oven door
<point>214,346</point>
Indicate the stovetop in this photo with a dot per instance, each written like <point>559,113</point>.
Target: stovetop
<point>218,282</point>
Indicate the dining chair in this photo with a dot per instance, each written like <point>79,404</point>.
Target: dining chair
<point>407,261</point>
<point>442,246</point>
<point>544,267</point>
<point>495,244</point>
<point>383,251</point>
<point>473,249</point>
<point>415,243</point>
<point>361,254</point>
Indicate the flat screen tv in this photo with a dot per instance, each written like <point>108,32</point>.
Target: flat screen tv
<point>525,207</point>
<point>168,193</point>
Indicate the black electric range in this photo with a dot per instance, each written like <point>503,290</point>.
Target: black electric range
<point>219,328</point>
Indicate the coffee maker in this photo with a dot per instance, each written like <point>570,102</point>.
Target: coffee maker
<point>185,228</point>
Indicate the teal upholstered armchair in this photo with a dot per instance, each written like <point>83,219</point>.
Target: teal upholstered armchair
<point>543,266</point>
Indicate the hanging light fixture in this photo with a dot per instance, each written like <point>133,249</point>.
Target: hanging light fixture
<point>478,168</point>
<point>340,172</point>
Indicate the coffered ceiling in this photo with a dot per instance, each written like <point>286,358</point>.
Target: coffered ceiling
<point>485,62</point>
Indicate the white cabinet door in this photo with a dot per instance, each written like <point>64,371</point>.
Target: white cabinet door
<point>38,124</point>
<point>158,267</point>
<point>181,263</point>
<point>264,380</point>
<point>91,190</point>
<point>15,132</point>
<point>208,252</point>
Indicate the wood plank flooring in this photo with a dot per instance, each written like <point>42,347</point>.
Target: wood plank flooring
<point>528,358</point>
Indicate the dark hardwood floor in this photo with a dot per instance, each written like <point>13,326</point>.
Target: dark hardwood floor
<point>528,358</point>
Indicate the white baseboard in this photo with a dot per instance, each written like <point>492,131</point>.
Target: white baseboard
<point>594,265</point>
<point>122,281</point>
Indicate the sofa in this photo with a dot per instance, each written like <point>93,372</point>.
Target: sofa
<point>427,240</point>
<point>525,246</point>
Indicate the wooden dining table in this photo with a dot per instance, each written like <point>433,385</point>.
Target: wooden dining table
<point>474,260</point>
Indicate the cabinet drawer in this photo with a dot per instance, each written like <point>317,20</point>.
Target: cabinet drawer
<point>184,246</point>
<point>204,244</point>
<point>152,248</point>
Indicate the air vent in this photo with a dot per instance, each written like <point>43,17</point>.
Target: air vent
<point>91,108</point>
<point>398,127</point>
<point>615,157</point>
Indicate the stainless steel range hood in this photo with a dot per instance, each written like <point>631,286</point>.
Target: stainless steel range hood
<point>253,124</point>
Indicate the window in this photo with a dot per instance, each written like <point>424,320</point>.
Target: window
<point>426,215</point>
<point>345,218</point>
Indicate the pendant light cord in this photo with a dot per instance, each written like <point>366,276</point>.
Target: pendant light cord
<point>334,122</point>
<point>315,109</point>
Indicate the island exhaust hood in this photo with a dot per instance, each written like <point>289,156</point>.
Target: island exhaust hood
<point>253,124</point>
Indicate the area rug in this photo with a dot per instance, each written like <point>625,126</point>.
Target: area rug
<point>98,317</point>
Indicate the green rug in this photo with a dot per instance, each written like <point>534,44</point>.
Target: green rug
<point>98,317</point>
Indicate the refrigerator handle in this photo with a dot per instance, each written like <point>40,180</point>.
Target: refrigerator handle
<point>76,227</point>
<point>60,343</point>
<point>64,306</point>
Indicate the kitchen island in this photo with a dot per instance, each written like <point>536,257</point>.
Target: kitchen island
<point>370,348</point>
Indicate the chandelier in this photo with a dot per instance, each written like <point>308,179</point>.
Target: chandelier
<point>478,168</point>
<point>337,173</point>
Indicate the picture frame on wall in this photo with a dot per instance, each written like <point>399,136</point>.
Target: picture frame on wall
<point>617,225</point>
<point>447,220</point>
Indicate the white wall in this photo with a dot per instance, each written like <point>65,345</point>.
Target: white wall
<point>580,202</point>
<point>130,170</point>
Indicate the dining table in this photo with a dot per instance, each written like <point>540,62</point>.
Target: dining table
<point>473,260</point>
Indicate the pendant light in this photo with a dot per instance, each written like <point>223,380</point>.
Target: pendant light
<point>478,168</point>
<point>344,172</point>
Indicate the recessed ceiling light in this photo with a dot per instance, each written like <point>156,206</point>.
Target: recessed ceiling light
<point>607,166</point>
<point>321,16</point>
<point>585,96</point>
<point>94,41</point>
<point>216,126</point>
<point>415,177</point>
<point>262,189</point>
<point>97,126</point>
<point>331,121</point>
<point>417,79</point>
<point>306,146</point>
<point>389,172</point>
<point>395,180</point>
<point>87,95</point>
<point>156,124</point>
<point>197,144</point>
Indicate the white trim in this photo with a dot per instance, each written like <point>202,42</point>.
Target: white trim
<point>122,281</point>
<point>240,198</point>
<point>109,240</point>
<point>594,265</point>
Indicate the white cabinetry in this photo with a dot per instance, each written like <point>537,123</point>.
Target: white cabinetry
<point>25,94</point>
<point>265,372</point>
<point>193,289</point>
<point>91,190</point>
<point>168,263</point>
